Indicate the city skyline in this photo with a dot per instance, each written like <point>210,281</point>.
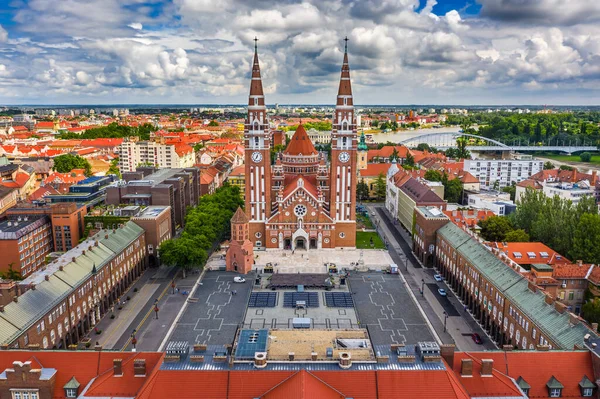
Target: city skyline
<point>462,52</point>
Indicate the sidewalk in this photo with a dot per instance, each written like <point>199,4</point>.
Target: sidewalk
<point>458,328</point>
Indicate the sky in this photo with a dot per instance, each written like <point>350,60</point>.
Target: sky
<point>539,52</point>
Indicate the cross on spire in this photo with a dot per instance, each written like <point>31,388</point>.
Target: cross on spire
<point>346,44</point>
<point>255,43</point>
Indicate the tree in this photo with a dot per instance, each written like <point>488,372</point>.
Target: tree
<point>67,162</point>
<point>453,189</point>
<point>586,238</point>
<point>548,165</point>
<point>198,146</point>
<point>566,167</point>
<point>11,273</point>
<point>213,123</point>
<point>591,310</point>
<point>380,186</point>
<point>433,175</point>
<point>585,157</point>
<point>518,235</point>
<point>410,160</point>
<point>114,168</point>
<point>394,155</point>
<point>276,150</point>
<point>362,190</point>
<point>495,228</point>
<point>424,147</point>
<point>461,147</point>
<point>512,190</point>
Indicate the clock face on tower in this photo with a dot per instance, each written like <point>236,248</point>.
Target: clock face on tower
<point>256,157</point>
<point>344,157</point>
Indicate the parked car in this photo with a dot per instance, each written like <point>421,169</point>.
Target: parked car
<point>438,278</point>
<point>442,291</point>
<point>239,279</point>
<point>477,338</point>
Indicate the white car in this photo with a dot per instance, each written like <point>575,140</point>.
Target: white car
<point>437,277</point>
<point>239,279</point>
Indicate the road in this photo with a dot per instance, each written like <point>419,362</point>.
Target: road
<point>459,323</point>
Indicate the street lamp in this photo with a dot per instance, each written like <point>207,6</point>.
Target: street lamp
<point>422,287</point>
<point>156,308</point>
<point>445,320</point>
<point>133,339</point>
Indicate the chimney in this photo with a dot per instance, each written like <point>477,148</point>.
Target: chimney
<point>466,368</point>
<point>579,262</point>
<point>486,367</point>
<point>594,178</point>
<point>549,299</point>
<point>447,353</point>
<point>543,348</point>
<point>139,367</point>
<point>260,360</point>
<point>291,356</point>
<point>595,327</point>
<point>574,176</point>
<point>47,277</point>
<point>345,360</point>
<point>16,299</point>
<point>573,319</point>
<point>32,286</point>
<point>560,307</point>
<point>1,308</point>
<point>532,287</point>
<point>117,367</point>
<point>61,268</point>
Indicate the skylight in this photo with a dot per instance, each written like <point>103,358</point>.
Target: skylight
<point>517,255</point>
<point>531,255</point>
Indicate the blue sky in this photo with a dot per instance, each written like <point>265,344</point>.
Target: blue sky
<point>199,51</point>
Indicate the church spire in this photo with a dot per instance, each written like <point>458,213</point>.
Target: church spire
<point>256,88</point>
<point>345,88</point>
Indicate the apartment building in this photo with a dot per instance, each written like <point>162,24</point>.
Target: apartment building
<point>24,243</point>
<point>511,309</point>
<point>57,306</point>
<point>156,222</point>
<point>134,153</point>
<point>500,173</point>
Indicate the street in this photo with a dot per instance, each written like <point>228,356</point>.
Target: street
<point>438,309</point>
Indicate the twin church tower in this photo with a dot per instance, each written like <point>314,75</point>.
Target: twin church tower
<point>303,201</point>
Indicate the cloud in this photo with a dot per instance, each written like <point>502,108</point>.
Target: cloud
<point>543,12</point>
<point>136,26</point>
<point>3,34</point>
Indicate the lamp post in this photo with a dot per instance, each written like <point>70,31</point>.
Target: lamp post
<point>156,308</point>
<point>445,320</point>
<point>422,287</point>
<point>133,339</point>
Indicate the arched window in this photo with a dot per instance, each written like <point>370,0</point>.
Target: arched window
<point>45,342</point>
<point>255,125</point>
<point>345,126</point>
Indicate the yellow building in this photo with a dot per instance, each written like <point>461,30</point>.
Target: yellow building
<point>237,177</point>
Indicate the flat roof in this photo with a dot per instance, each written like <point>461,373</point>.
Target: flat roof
<point>152,212</point>
<point>14,229</point>
<point>432,212</point>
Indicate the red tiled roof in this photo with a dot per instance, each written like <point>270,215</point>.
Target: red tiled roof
<point>306,185</point>
<point>571,271</point>
<point>44,125</point>
<point>239,171</point>
<point>426,384</point>
<point>42,192</point>
<point>375,169</point>
<point>20,128</point>
<point>468,217</point>
<point>302,385</point>
<point>535,247</point>
<point>300,144</point>
<point>387,151</point>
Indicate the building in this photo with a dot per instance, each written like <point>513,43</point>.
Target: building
<point>58,305</point>
<point>404,193</point>
<point>237,177</point>
<point>176,188</point>
<point>68,225</point>
<point>495,201</point>
<point>134,153</point>
<point>316,136</point>
<point>302,201</point>
<point>499,173</point>
<point>525,254</point>
<point>573,192</point>
<point>8,198</point>
<point>89,191</point>
<point>156,222</point>
<point>511,309</point>
<point>240,255</point>
<point>568,184</point>
<point>24,243</point>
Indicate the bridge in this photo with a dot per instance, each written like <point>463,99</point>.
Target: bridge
<point>445,140</point>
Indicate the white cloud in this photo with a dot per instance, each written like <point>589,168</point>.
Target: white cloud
<point>136,26</point>
<point>3,34</point>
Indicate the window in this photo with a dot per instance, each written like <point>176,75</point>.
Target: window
<point>258,244</point>
<point>555,392</point>
<point>587,392</point>
<point>71,392</point>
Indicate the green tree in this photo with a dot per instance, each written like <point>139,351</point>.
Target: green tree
<point>585,157</point>
<point>380,186</point>
<point>213,123</point>
<point>410,160</point>
<point>549,165</point>
<point>433,175</point>
<point>512,190</point>
<point>67,162</point>
<point>362,190</point>
<point>566,167</point>
<point>11,273</point>
<point>424,147</point>
<point>518,235</point>
<point>586,238</point>
<point>495,228</point>
<point>394,155</point>
<point>198,146</point>
<point>453,189</point>
<point>591,310</point>
<point>114,168</point>
<point>276,150</point>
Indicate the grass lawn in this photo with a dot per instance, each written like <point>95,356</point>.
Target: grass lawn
<point>363,240</point>
<point>572,158</point>
<point>364,221</point>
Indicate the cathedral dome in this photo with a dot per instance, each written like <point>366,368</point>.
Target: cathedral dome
<point>300,144</point>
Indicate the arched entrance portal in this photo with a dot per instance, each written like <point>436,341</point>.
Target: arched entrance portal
<point>313,243</point>
<point>300,243</point>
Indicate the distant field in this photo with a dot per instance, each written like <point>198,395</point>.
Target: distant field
<point>571,158</point>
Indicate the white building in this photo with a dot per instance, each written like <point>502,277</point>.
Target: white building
<point>134,153</point>
<point>503,171</point>
<point>570,191</point>
<point>316,136</point>
<point>497,202</point>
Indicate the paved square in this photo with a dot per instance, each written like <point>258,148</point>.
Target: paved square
<point>215,316</point>
<point>386,308</point>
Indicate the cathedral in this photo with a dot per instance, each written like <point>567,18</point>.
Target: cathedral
<point>303,200</point>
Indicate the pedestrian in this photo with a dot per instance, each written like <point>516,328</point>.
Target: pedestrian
<point>177,289</point>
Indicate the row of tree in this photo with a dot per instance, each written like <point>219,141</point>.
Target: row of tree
<point>570,229</point>
<point>320,125</point>
<point>206,225</point>
<point>114,130</point>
